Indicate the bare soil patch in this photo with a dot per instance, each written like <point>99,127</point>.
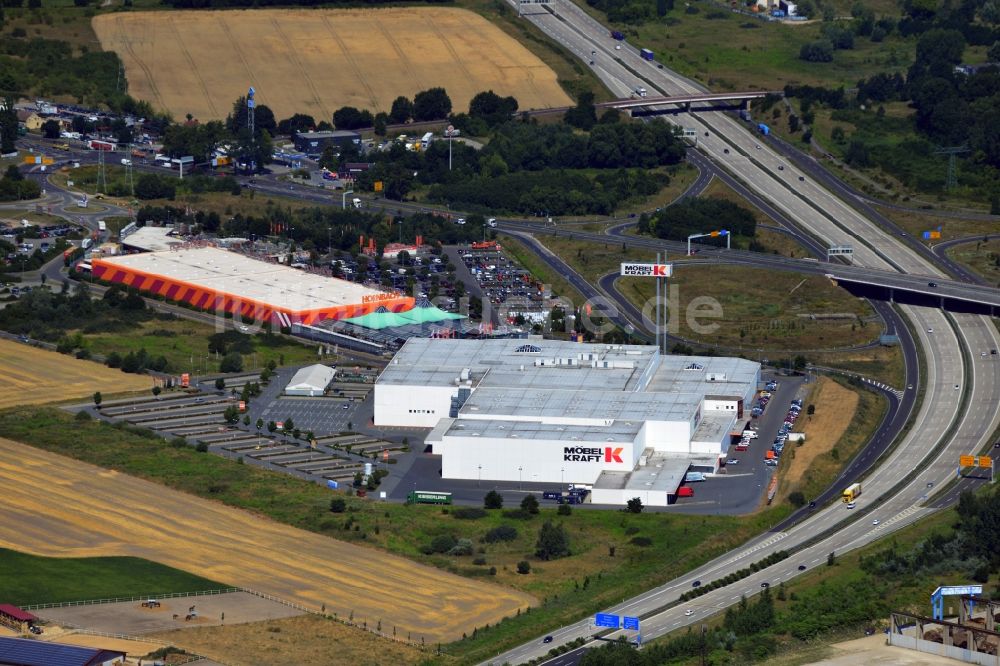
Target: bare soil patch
<point>313,640</point>
<point>130,617</point>
<point>835,407</point>
<point>68,508</point>
<point>315,61</point>
<point>30,375</point>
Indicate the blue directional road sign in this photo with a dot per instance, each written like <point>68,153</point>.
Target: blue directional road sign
<point>630,623</point>
<point>607,620</point>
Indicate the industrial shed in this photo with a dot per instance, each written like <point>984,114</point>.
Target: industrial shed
<point>213,279</point>
<point>311,381</point>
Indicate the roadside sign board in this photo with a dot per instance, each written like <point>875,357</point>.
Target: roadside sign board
<point>647,270</point>
<point>608,620</point>
<point>985,461</point>
<point>967,461</point>
<point>631,623</point>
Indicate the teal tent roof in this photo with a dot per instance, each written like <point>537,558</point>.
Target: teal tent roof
<point>422,313</point>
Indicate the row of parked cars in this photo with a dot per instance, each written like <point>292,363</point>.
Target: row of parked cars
<point>786,427</point>
<point>765,396</point>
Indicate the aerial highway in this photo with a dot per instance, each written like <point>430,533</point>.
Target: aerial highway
<point>957,376</point>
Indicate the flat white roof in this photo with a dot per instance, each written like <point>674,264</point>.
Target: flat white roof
<point>621,431</point>
<point>498,363</point>
<point>663,473</point>
<point>247,278</point>
<point>608,405</point>
<point>152,239</point>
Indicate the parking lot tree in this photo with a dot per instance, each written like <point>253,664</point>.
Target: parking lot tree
<point>350,118</point>
<point>231,362</point>
<point>272,427</point>
<point>553,542</point>
<point>259,424</point>
<point>50,129</point>
<point>530,504</point>
<point>299,122</point>
<point>379,123</point>
<point>220,384</point>
<point>491,108</point>
<point>231,414</point>
<point>358,479</point>
<point>493,500</point>
<point>634,505</point>
<point>431,104</point>
<point>246,419</point>
<point>289,424</point>
<point>401,110</point>
<point>583,115</point>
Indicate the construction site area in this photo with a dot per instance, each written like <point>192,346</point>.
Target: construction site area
<point>970,636</point>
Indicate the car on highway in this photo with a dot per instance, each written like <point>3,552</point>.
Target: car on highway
<point>197,400</point>
<point>930,330</point>
<point>851,505</point>
<point>547,639</point>
<point>765,584</point>
<point>697,583</point>
<point>932,284</point>
<point>875,522</point>
<point>781,167</point>
<point>802,567</point>
<point>688,613</point>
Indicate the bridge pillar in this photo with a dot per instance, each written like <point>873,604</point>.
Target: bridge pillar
<point>745,104</point>
<point>687,107</point>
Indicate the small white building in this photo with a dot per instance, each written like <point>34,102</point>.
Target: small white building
<point>311,381</point>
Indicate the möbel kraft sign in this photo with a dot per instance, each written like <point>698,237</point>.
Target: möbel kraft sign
<point>592,454</point>
<point>647,270</point>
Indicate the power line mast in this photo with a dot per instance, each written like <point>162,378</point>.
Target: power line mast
<point>251,105</point>
<point>102,180</point>
<point>952,181</point>
<point>129,180</point>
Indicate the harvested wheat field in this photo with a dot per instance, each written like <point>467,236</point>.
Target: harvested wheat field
<point>315,61</point>
<point>67,508</point>
<point>30,376</point>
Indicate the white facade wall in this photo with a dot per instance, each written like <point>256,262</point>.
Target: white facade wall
<point>620,497</point>
<point>412,406</point>
<point>720,405</point>
<point>494,415</point>
<point>671,436</point>
<point>539,460</point>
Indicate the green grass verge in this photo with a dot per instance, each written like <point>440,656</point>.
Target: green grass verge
<point>184,343</point>
<point>31,579</point>
<point>571,587</point>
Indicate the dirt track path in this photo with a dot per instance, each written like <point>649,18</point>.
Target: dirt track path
<point>67,508</point>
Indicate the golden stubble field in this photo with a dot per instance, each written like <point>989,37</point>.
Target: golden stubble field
<point>315,61</point>
<point>29,376</point>
<point>70,509</point>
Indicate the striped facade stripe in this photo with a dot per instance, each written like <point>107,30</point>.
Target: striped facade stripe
<point>248,309</point>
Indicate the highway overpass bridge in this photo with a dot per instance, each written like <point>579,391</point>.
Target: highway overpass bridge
<point>950,295</point>
<point>645,106</point>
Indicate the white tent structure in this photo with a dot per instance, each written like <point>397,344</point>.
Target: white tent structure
<point>310,381</point>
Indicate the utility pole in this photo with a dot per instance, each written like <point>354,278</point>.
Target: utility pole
<point>952,181</point>
<point>102,180</point>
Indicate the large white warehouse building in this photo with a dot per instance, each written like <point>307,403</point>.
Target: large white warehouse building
<point>623,418</point>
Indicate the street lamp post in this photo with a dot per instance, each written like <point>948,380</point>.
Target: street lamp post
<point>562,476</point>
<point>343,198</point>
<point>519,478</point>
<point>449,132</point>
<point>479,483</point>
